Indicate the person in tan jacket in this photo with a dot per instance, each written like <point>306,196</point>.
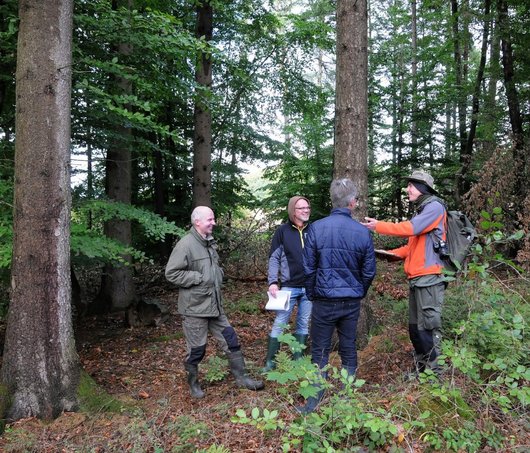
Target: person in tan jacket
<point>194,267</point>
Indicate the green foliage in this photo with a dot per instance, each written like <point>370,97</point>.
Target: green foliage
<point>154,226</point>
<point>90,242</point>
<point>187,429</point>
<point>216,369</point>
<point>5,403</point>
<point>344,421</point>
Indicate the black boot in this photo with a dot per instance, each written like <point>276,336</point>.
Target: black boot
<point>273,347</point>
<point>237,366</point>
<point>311,403</point>
<point>193,381</point>
<point>300,338</point>
<point>419,367</point>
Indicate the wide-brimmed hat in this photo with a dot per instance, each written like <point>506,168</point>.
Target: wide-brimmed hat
<point>424,178</point>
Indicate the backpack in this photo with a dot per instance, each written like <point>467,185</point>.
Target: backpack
<point>459,236</point>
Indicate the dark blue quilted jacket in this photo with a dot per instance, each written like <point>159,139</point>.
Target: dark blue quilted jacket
<point>339,258</point>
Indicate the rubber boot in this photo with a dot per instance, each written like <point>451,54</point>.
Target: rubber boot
<point>301,338</point>
<point>419,367</point>
<point>435,367</point>
<point>237,367</point>
<point>193,381</point>
<point>313,401</point>
<point>273,347</point>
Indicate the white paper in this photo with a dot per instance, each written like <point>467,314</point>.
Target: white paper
<point>280,302</point>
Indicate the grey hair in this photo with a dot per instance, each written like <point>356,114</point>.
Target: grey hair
<point>342,192</point>
<point>199,213</point>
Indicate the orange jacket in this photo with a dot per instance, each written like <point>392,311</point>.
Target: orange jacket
<point>419,255</point>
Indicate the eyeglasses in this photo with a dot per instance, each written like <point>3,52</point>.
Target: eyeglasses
<point>306,208</point>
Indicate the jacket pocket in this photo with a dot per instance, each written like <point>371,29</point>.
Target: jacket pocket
<point>198,301</point>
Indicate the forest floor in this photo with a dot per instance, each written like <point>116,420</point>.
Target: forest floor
<point>143,367</point>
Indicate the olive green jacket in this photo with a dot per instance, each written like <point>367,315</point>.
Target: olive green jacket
<point>194,267</point>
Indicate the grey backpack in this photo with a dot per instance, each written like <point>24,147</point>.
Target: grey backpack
<point>460,234</point>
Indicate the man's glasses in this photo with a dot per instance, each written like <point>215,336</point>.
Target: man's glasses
<point>307,208</point>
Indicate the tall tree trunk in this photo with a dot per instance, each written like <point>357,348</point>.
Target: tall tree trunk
<point>459,68</point>
<point>466,185</point>
<point>414,152</point>
<point>118,291</point>
<point>516,121</point>
<point>351,115</point>
<point>40,368</point>
<point>202,135</point>
<point>351,103</point>
<point>491,115</point>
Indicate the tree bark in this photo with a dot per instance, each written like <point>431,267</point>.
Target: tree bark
<point>351,103</point>
<point>118,291</point>
<point>414,152</point>
<point>459,69</point>
<point>508,71</point>
<point>491,112</point>
<point>202,135</point>
<point>40,368</point>
<point>476,95</point>
<point>516,121</point>
<point>351,115</point>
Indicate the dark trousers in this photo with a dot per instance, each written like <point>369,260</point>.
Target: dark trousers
<point>425,322</point>
<point>328,315</point>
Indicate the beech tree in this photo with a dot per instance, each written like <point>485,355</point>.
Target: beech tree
<point>40,365</point>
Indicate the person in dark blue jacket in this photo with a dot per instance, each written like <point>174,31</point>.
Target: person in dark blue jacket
<point>339,266</point>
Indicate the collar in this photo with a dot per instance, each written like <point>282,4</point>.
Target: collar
<point>297,227</point>
<point>341,211</point>
<point>204,241</point>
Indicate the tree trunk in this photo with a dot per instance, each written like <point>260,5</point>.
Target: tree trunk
<point>414,152</point>
<point>491,111</point>
<point>516,121</point>
<point>118,291</point>
<point>476,95</point>
<point>351,109</point>
<point>351,114</point>
<point>40,369</point>
<point>459,69</point>
<point>202,135</point>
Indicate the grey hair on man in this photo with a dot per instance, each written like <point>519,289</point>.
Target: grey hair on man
<point>199,213</point>
<point>342,192</point>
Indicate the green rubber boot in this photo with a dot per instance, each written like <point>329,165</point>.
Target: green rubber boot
<point>301,338</point>
<point>273,347</point>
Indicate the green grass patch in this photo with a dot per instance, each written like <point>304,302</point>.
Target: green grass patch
<point>248,304</point>
<point>94,399</point>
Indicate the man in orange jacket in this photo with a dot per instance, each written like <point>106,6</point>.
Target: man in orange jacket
<point>423,265</point>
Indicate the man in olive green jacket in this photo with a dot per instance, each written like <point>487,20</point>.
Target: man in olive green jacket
<point>194,267</point>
